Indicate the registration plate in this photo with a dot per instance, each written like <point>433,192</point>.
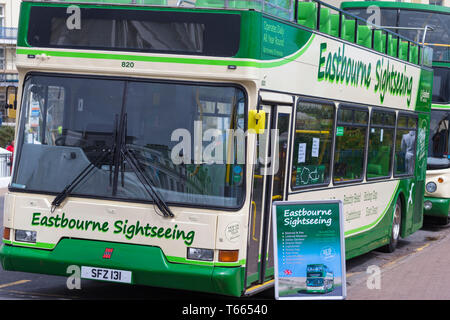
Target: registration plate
<point>106,274</point>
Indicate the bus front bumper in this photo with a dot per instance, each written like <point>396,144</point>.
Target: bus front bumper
<point>436,207</point>
<point>148,265</point>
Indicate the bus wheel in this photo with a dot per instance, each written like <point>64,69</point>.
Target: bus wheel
<point>395,232</point>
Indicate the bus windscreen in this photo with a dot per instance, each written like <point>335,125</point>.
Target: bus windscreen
<point>438,146</point>
<point>441,85</point>
<point>438,38</point>
<point>72,122</point>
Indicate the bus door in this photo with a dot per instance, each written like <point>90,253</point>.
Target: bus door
<point>269,184</point>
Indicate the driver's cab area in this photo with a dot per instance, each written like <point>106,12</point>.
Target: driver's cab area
<point>75,116</point>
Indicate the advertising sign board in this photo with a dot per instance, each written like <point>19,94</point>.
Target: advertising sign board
<point>309,250</point>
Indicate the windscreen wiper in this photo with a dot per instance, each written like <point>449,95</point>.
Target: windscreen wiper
<point>148,185</point>
<point>119,152</point>
<point>76,181</point>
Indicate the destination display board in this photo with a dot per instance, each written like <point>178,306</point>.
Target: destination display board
<point>309,250</point>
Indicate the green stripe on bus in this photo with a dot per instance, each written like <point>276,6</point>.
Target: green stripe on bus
<point>198,61</point>
<point>440,106</point>
<point>441,64</point>
<point>37,245</point>
<point>230,264</point>
<point>43,245</point>
<point>373,224</point>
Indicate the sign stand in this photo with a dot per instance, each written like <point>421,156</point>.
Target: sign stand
<point>309,249</point>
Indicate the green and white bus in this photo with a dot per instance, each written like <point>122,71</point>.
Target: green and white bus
<point>412,15</point>
<point>319,279</point>
<point>130,162</point>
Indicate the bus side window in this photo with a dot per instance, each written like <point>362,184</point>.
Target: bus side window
<point>314,123</point>
<point>381,144</point>
<point>350,144</point>
<point>405,145</point>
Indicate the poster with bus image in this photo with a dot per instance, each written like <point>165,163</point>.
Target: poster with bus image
<point>309,250</point>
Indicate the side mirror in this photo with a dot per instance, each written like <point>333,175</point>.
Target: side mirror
<point>257,121</point>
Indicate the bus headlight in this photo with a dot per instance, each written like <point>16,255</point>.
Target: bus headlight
<point>200,254</point>
<point>431,187</point>
<point>26,236</point>
<point>427,205</point>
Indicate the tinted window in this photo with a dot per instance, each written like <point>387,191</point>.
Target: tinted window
<point>440,34</point>
<point>136,30</point>
<point>416,19</point>
<point>441,85</point>
<point>405,144</point>
<point>351,133</point>
<point>312,143</point>
<point>388,16</point>
<point>439,140</point>
<point>381,144</point>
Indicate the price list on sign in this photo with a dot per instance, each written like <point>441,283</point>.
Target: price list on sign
<point>309,250</point>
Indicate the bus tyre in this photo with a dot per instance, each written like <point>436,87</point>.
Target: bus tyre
<point>395,231</point>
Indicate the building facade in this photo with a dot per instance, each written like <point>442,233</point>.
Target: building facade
<point>9,16</point>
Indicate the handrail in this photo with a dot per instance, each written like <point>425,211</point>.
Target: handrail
<point>342,14</point>
<point>361,21</point>
<point>365,21</point>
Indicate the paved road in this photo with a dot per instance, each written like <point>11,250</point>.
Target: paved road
<point>418,257</point>
<point>417,271</point>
